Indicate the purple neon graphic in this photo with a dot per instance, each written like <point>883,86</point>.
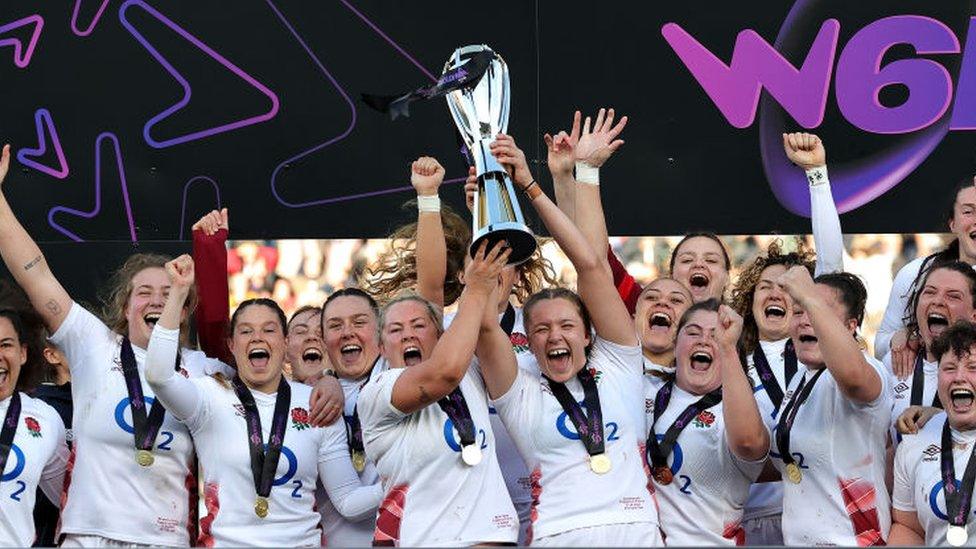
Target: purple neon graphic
<point>854,183</point>
<point>98,192</point>
<point>352,110</point>
<point>91,26</point>
<point>186,190</point>
<point>735,88</point>
<point>42,120</point>
<point>22,56</point>
<point>187,91</point>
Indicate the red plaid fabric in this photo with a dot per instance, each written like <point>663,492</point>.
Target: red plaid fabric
<point>861,502</point>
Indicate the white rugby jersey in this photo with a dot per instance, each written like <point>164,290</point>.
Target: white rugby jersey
<point>901,391</point>
<point>38,458</point>
<point>432,498</point>
<point>766,498</point>
<point>513,467</point>
<point>704,503</point>
<point>337,530</point>
<point>220,431</point>
<point>918,486</point>
<point>567,494</point>
<point>108,493</point>
<point>839,446</point>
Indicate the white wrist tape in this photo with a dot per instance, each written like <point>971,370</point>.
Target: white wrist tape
<point>587,174</point>
<point>428,203</point>
<point>817,176</point>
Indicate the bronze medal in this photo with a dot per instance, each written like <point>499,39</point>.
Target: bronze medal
<point>663,475</point>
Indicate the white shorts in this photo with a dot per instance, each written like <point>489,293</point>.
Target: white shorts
<point>633,534</point>
<point>767,530</point>
<point>81,540</point>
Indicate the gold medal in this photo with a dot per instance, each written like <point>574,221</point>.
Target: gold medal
<point>600,463</point>
<point>261,507</point>
<point>358,461</point>
<point>663,475</point>
<point>144,458</point>
<point>793,473</point>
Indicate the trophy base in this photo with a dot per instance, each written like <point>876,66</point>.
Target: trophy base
<point>518,236</point>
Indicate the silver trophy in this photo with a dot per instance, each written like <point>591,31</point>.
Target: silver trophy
<point>481,113</point>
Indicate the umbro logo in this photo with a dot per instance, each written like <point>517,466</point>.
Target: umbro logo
<point>901,387</point>
<point>239,410</point>
<point>931,453</point>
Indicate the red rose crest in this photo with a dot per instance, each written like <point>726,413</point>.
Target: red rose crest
<point>33,427</point>
<point>520,343</point>
<point>299,418</point>
<point>597,374</point>
<point>704,419</point>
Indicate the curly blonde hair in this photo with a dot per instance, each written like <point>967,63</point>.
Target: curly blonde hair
<point>745,285</point>
<point>396,270</point>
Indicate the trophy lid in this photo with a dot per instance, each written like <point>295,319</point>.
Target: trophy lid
<point>480,112</point>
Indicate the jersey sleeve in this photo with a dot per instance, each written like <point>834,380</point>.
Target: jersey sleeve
<point>519,409</point>
<point>903,488</point>
<point>894,315</point>
<point>881,405</point>
<point>351,498</point>
<point>80,337</point>
<point>627,286</point>
<point>210,258</point>
<point>377,413</point>
<point>625,358</point>
<point>52,477</point>
<point>181,397</point>
<point>827,235</point>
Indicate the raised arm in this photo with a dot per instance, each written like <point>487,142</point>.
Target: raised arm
<point>807,151</point>
<point>498,364</point>
<point>857,379</point>
<point>210,258</point>
<point>609,315</point>
<point>426,175</point>
<point>178,394</point>
<point>593,150</point>
<point>27,264</point>
<point>434,378</point>
<point>561,158</point>
<point>745,431</point>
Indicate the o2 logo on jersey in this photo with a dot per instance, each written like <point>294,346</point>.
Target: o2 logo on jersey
<point>454,440</point>
<point>677,460</point>
<point>568,430</point>
<point>164,439</point>
<point>797,456</point>
<point>934,499</point>
<point>19,463</point>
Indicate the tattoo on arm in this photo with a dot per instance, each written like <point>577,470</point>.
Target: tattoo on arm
<point>53,307</point>
<point>33,262</point>
<point>424,397</point>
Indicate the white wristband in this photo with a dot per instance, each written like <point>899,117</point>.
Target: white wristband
<point>587,174</point>
<point>428,203</point>
<point>817,176</point>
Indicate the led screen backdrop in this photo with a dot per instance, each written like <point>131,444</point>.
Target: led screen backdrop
<point>130,119</point>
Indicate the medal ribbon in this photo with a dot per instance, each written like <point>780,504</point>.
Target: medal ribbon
<point>508,320</point>
<point>765,372</point>
<point>918,383</point>
<point>788,415</point>
<point>354,430</point>
<point>589,426</point>
<point>9,428</point>
<point>456,408</point>
<point>658,452</point>
<point>144,427</point>
<point>264,464</point>
<point>958,500</point>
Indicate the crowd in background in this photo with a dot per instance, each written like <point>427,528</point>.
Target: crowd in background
<point>296,273</point>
